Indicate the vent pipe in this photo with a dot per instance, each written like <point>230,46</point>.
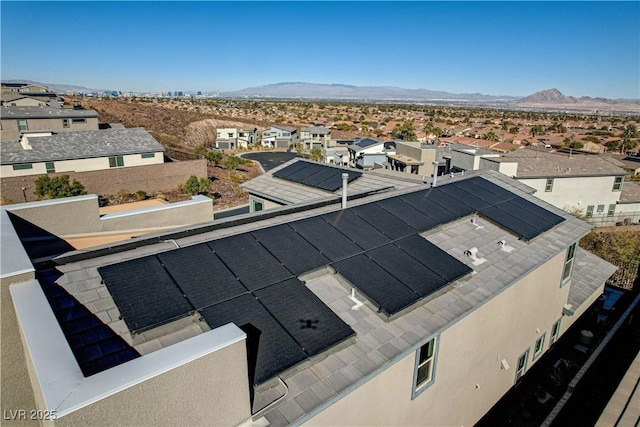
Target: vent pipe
<point>345,178</point>
<point>435,173</point>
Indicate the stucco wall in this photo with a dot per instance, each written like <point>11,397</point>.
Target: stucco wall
<point>468,375</point>
<point>10,126</point>
<point>149,178</point>
<point>211,390</point>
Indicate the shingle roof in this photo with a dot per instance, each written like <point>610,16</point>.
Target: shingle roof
<point>80,145</point>
<point>316,129</point>
<point>44,113</point>
<point>532,163</point>
<point>630,192</point>
<point>283,127</point>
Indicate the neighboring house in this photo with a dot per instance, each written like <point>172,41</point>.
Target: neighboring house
<point>20,100</point>
<point>413,158</point>
<point>23,88</point>
<point>16,120</point>
<point>627,209</point>
<point>277,187</point>
<point>232,138</point>
<point>632,163</point>
<point>315,137</point>
<point>279,136</point>
<point>364,153</point>
<point>373,314</point>
<point>45,152</point>
<point>336,155</point>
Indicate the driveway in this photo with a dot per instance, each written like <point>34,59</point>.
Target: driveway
<point>270,160</point>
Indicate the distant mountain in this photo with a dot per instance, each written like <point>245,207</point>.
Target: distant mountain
<point>549,96</point>
<point>554,99</point>
<point>340,91</point>
<point>57,88</point>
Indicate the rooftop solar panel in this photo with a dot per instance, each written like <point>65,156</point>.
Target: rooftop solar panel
<point>407,213</point>
<point>325,177</point>
<point>382,220</point>
<point>380,287</point>
<point>290,249</point>
<point>270,346</point>
<point>408,270</point>
<point>526,216</point>
<point>421,202</point>
<point>537,211</point>
<point>437,260</point>
<point>510,222</point>
<point>333,244</point>
<point>144,293</point>
<point>201,275</point>
<point>494,189</point>
<point>249,261</point>
<point>304,316</point>
<point>467,195</point>
<point>356,229</point>
<point>439,195</point>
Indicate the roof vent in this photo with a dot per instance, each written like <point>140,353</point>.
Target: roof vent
<point>474,221</point>
<point>353,298</point>
<point>504,247</point>
<point>473,254</point>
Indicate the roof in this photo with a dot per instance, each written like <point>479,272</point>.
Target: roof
<point>287,192</point>
<point>316,129</point>
<point>283,127</point>
<point>540,164</point>
<point>80,145</point>
<point>630,192</point>
<point>44,113</point>
<point>363,144</point>
<point>405,159</point>
<point>590,272</point>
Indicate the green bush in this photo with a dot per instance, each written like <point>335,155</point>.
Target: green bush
<point>196,186</point>
<point>57,187</point>
<point>141,195</point>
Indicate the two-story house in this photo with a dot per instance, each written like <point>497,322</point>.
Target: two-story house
<point>279,136</point>
<point>365,152</point>
<point>232,138</point>
<point>15,120</point>
<point>315,136</point>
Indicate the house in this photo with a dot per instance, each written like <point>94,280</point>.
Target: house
<point>365,152</point>
<point>232,138</point>
<point>20,100</point>
<point>336,155</point>
<point>413,157</point>
<point>46,152</point>
<point>301,181</point>
<point>376,313</point>
<point>16,120</point>
<point>23,88</point>
<point>279,136</point>
<point>315,136</point>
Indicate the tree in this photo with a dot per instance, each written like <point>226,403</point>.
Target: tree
<point>316,154</point>
<point>57,187</point>
<point>514,129</point>
<point>405,132</point>
<point>535,130</point>
<point>196,186</point>
<point>612,145</point>
<point>432,129</point>
<point>490,136</point>
<point>232,162</point>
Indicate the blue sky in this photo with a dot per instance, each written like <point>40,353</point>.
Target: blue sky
<point>497,48</point>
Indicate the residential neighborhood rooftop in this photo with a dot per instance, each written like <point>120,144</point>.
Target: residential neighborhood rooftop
<point>45,112</point>
<point>533,163</point>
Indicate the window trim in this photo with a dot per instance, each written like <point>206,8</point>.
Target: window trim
<point>416,388</point>
<point>590,209</point>
<point>612,210</point>
<point>548,187</point>
<point>22,166</point>
<point>567,270</point>
<point>600,209</point>
<point>50,167</point>
<point>65,123</point>
<point>525,357</point>
<point>116,161</point>
<point>555,332</point>
<point>617,183</point>
<point>26,125</point>
<point>147,155</point>
<point>537,352</point>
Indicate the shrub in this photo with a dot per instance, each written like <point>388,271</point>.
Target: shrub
<point>58,187</point>
<point>124,194</point>
<point>141,195</point>
<point>196,186</point>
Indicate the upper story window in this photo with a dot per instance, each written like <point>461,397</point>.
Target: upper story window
<point>555,331</point>
<point>568,263</point>
<point>617,183</point>
<point>22,166</point>
<point>230,134</point>
<point>78,120</point>
<point>549,185</point>
<point>425,367</point>
<point>539,346</point>
<point>218,134</point>
<point>147,155</point>
<point>285,133</point>
<point>65,123</point>
<point>116,161</point>
<point>521,367</point>
<point>22,125</point>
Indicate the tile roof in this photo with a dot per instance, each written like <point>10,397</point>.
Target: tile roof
<point>80,145</point>
<point>44,113</point>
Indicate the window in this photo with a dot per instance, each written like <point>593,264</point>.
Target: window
<point>22,125</point>
<point>22,166</point>
<point>600,209</point>
<point>612,210</point>
<point>285,134</point>
<point>116,161</point>
<point>590,211</point>
<point>539,346</point>
<point>65,123</point>
<point>241,134</point>
<point>555,331</point>
<point>257,206</point>
<point>50,167</point>
<point>617,183</point>
<point>425,366</point>
<point>78,120</point>
<point>147,155</point>
<point>568,263</point>
<point>549,185</point>
<point>218,134</point>
<point>522,365</point>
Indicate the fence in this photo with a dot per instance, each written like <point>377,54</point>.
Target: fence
<point>603,220</point>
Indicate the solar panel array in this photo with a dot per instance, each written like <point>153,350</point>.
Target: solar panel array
<point>319,176</point>
<point>250,278</point>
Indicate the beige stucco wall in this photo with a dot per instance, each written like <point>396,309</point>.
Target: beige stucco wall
<point>425,155</point>
<point>10,126</point>
<point>266,204</point>
<point>468,375</point>
<point>211,390</point>
<point>576,192</point>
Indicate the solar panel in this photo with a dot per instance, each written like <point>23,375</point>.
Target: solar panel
<point>333,244</point>
<point>408,270</point>
<point>382,220</point>
<point>356,229</point>
<point>144,293</point>
<point>468,196</point>
<point>290,249</point>
<point>420,201</point>
<point>201,275</point>
<point>380,287</point>
<point>304,316</point>
<point>510,222</point>
<point>270,348</point>
<point>316,175</point>
<point>537,211</point>
<point>439,195</point>
<point>525,216</point>
<point>407,213</point>
<point>492,188</point>
<point>437,260</point>
<point>249,261</point>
